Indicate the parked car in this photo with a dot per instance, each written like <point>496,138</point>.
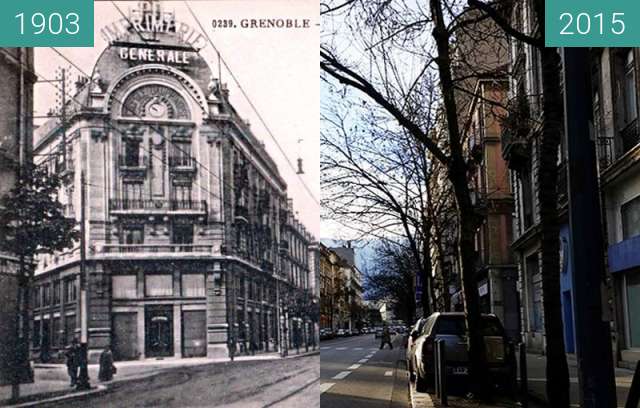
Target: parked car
<point>326,334</point>
<point>451,328</point>
<point>341,333</point>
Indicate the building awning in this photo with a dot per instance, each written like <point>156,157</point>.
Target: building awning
<point>624,255</point>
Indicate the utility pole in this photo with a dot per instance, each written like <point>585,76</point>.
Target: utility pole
<point>83,378</point>
<point>593,338</point>
<point>63,113</point>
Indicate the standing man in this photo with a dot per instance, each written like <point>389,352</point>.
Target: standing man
<point>72,354</point>
<point>386,337</point>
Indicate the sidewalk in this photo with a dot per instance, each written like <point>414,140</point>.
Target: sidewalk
<point>52,381</point>
<point>426,400</point>
<point>537,379</point>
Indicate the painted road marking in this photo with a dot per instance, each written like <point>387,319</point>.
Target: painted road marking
<point>325,348</point>
<point>358,348</point>
<point>364,360</point>
<point>354,367</point>
<point>388,373</point>
<point>341,348</point>
<point>341,375</point>
<point>324,387</point>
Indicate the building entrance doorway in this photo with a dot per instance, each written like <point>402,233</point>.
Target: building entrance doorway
<point>159,331</point>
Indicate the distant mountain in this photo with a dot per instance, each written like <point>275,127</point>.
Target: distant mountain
<point>364,250</point>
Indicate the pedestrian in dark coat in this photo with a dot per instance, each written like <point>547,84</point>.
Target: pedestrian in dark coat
<point>386,338</point>
<point>72,354</point>
<point>106,365</point>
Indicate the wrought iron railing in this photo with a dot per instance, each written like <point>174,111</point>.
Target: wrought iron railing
<point>153,248</point>
<point>181,161</point>
<point>157,205</point>
<point>605,152</point>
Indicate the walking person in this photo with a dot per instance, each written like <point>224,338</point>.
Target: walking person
<point>386,337</point>
<point>107,369</point>
<point>72,354</point>
<point>231,344</point>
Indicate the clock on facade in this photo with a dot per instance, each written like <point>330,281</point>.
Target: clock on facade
<point>157,110</point>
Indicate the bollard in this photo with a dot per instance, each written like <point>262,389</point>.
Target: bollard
<point>436,367</point>
<point>524,381</point>
<point>633,399</point>
<point>443,373</point>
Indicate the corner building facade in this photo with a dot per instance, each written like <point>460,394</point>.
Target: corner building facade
<point>191,241</point>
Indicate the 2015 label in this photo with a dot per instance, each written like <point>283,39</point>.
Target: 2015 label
<point>583,23</point>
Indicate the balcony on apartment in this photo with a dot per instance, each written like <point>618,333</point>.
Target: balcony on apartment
<point>180,163</point>
<point>616,155</point>
<point>153,206</point>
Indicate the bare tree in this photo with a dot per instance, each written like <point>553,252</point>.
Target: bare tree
<point>394,52</point>
<point>547,179</point>
<point>376,181</point>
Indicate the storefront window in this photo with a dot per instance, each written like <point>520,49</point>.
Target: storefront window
<point>193,285</point>
<point>124,286</point>
<point>159,285</point>
<point>631,218</point>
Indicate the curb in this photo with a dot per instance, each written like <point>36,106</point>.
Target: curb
<point>98,390</point>
<point>419,399</point>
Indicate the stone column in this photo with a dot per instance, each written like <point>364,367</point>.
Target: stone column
<point>141,332</point>
<point>177,331</point>
<point>217,326</point>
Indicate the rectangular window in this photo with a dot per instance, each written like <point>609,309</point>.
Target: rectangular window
<point>158,285</point>
<point>46,294</point>
<point>193,285</point>
<point>180,155</point>
<point>131,156</point>
<point>630,110</point>
<point>56,292</point>
<point>124,286</point>
<point>534,283</point>
<point>132,235</point>
<point>630,212</point>
<point>527,198</point>
<point>36,297</point>
<point>70,290</point>
<point>182,235</point>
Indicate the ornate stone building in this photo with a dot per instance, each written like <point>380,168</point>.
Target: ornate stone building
<point>191,240</point>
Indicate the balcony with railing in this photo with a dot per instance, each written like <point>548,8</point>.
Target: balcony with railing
<point>158,249</point>
<point>606,153</point>
<point>182,163</point>
<point>157,206</point>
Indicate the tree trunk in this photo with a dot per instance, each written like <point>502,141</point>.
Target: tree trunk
<point>469,221</point>
<point>428,298</point>
<point>557,369</point>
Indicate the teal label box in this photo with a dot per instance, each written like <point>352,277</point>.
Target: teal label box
<point>46,23</point>
<point>592,23</point>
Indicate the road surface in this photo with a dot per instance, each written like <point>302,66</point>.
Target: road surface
<point>355,373</point>
<point>275,383</point>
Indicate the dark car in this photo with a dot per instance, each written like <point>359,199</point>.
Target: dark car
<point>451,327</point>
<point>326,334</point>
